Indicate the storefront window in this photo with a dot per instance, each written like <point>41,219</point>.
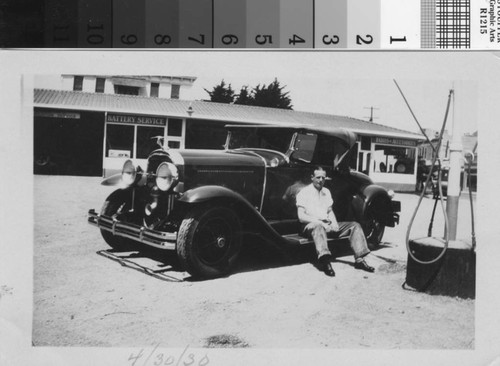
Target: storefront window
<point>203,134</point>
<point>392,159</point>
<point>119,141</point>
<point>174,127</point>
<point>174,144</point>
<point>146,141</point>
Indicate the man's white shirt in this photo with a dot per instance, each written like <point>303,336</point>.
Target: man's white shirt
<point>314,202</point>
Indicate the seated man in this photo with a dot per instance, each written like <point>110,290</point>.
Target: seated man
<point>314,209</point>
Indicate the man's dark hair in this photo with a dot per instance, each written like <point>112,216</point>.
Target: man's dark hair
<point>317,167</point>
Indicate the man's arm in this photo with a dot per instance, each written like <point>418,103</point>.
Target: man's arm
<point>334,225</point>
<point>330,224</point>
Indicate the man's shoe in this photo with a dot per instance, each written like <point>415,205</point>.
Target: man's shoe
<point>363,266</point>
<point>328,269</point>
<point>326,266</point>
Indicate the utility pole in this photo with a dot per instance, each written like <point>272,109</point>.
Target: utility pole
<point>371,113</point>
<point>454,172</point>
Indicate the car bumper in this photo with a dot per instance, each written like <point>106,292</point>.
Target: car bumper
<point>141,234</point>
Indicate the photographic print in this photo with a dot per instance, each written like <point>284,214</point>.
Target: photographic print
<point>271,207</point>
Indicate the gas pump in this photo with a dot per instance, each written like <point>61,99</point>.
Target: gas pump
<point>442,265</point>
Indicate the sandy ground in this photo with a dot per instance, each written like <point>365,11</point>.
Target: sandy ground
<point>83,299</point>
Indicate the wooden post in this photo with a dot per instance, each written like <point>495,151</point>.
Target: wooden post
<point>453,275</point>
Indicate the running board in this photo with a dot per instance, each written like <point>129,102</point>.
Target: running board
<point>300,240</point>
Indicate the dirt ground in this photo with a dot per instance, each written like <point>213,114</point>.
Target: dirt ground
<point>83,299</point>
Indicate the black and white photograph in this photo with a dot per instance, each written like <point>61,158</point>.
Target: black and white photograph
<point>209,208</point>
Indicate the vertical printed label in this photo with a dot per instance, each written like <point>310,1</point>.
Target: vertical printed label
<point>400,24</point>
<point>263,23</point>
<point>128,23</point>
<point>162,23</point>
<point>330,23</point>
<point>195,24</point>
<point>485,24</point>
<point>94,23</point>
<point>296,24</point>
<point>61,24</point>
<point>363,28</point>
<point>230,23</point>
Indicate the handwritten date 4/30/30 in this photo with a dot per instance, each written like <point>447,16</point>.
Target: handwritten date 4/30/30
<point>155,357</point>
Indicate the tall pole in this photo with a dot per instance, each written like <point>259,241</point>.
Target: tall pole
<point>454,172</point>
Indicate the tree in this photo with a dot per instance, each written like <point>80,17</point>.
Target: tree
<point>221,93</point>
<point>272,96</point>
<point>245,97</point>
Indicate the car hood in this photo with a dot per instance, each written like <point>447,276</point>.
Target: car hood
<point>220,158</point>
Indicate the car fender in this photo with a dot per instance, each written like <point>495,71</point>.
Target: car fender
<point>254,222</point>
<point>366,197</point>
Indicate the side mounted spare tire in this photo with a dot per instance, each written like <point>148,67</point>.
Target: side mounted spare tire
<point>209,241</point>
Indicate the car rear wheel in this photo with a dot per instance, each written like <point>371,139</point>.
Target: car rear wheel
<point>374,232</point>
<point>116,202</point>
<point>373,227</point>
<point>209,241</point>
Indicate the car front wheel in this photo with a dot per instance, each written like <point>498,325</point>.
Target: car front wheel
<point>209,241</point>
<point>115,204</point>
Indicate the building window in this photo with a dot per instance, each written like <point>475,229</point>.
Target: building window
<point>174,127</point>
<point>155,90</point>
<point>205,134</point>
<point>78,83</point>
<point>392,159</point>
<point>174,144</point>
<point>146,141</point>
<point>99,85</point>
<point>366,143</point>
<point>119,141</point>
<point>126,90</point>
<point>174,94</point>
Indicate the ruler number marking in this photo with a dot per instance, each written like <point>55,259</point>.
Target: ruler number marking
<point>129,39</point>
<point>263,39</point>
<point>400,39</point>
<point>201,40</point>
<point>367,40</point>
<point>95,38</point>
<point>229,39</point>
<point>162,39</point>
<point>331,39</point>
<point>296,39</point>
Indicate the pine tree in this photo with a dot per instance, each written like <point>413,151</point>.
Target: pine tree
<point>272,96</point>
<point>245,97</point>
<point>221,93</point>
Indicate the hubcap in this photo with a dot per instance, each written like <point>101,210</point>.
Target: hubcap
<point>221,242</point>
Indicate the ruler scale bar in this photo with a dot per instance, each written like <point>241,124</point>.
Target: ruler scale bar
<point>256,24</point>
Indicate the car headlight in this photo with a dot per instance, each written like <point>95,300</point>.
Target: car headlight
<point>167,175</point>
<point>128,173</point>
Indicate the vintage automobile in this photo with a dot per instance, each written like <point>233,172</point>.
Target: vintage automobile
<point>200,203</point>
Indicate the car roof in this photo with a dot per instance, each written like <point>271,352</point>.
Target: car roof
<point>345,135</point>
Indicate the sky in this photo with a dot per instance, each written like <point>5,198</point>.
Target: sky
<point>340,83</point>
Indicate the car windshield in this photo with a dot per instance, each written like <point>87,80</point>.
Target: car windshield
<point>277,139</point>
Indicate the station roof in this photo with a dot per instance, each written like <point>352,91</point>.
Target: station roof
<point>204,110</point>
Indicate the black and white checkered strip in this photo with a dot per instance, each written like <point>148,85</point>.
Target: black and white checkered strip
<point>453,24</point>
